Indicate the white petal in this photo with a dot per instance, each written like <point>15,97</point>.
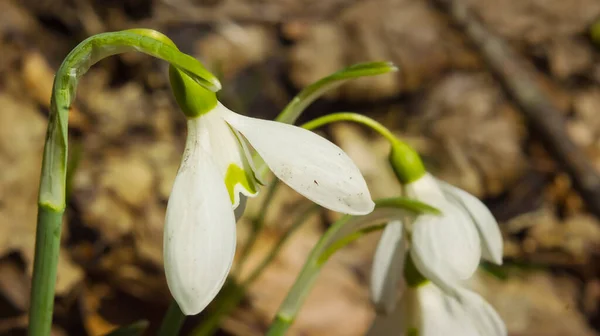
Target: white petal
<point>310,164</point>
<point>483,315</point>
<point>199,236</point>
<point>446,248</point>
<point>425,189</point>
<point>388,267</point>
<point>215,136</point>
<point>433,313</point>
<point>489,232</point>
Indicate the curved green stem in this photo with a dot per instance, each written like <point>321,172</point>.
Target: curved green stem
<point>405,161</point>
<point>52,192</point>
<point>75,65</point>
<point>353,117</point>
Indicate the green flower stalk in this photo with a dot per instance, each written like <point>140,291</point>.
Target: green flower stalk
<point>405,161</point>
<point>52,192</point>
<point>340,234</point>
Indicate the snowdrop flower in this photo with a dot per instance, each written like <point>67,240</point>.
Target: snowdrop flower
<point>446,248</point>
<point>426,310</point>
<point>199,237</point>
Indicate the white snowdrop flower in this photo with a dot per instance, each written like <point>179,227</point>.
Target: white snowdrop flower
<point>445,248</point>
<point>199,237</point>
<point>426,310</point>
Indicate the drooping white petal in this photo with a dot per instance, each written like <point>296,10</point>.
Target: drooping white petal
<point>425,189</point>
<point>310,164</point>
<point>489,232</point>
<point>219,140</point>
<point>433,313</point>
<point>388,266</point>
<point>199,236</point>
<point>445,248</point>
<point>483,316</point>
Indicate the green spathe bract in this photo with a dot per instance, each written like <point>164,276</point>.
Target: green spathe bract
<point>193,99</point>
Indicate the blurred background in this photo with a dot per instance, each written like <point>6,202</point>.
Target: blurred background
<point>450,99</point>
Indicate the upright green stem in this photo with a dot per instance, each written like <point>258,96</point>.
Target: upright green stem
<point>279,245</point>
<point>340,234</point>
<point>172,321</point>
<point>279,326</point>
<point>295,298</point>
<point>47,247</point>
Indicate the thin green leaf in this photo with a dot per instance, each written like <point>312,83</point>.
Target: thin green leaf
<point>295,108</point>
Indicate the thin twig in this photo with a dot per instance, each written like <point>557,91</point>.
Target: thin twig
<point>543,116</point>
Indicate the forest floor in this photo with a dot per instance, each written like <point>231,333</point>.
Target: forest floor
<point>447,99</point>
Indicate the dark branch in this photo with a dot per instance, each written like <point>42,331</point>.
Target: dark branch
<point>517,76</point>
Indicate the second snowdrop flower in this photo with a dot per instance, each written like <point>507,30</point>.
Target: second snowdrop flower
<point>199,238</point>
<point>446,248</point>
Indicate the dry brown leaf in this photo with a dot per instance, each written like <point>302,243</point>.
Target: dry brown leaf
<point>536,304</point>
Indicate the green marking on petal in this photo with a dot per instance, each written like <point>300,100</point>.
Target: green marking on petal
<point>236,175</point>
